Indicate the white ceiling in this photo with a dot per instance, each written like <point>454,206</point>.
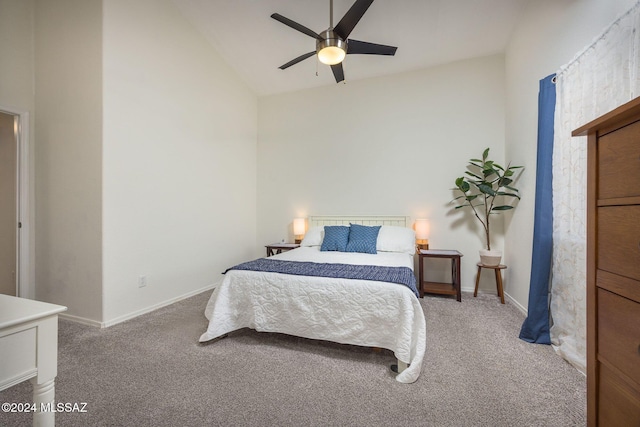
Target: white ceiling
<point>426,32</point>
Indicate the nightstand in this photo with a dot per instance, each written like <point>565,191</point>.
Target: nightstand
<point>452,288</point>
<point>277,248</point>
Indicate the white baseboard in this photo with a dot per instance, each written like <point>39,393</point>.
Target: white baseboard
<point>519,306</point>
<point>134,314</point>
<point>81,320</point>
<point>507,296</point>
<point>97,324</point>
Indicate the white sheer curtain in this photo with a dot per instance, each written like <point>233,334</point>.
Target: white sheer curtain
<point>602,77</point>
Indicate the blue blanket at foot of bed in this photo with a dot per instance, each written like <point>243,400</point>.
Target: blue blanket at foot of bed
<point>400,275</point>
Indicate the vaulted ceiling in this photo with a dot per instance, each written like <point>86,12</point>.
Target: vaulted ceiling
<point>426,32</point>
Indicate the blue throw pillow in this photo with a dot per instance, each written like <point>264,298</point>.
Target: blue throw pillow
<point>335,238</point>
<point>363,239</point>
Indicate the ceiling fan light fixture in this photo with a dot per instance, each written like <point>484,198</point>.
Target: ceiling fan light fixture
<point>331,55</point>
<point>333,44</point>
<point>331,49</point>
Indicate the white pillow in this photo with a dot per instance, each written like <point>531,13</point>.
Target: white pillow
<point>396,239</point>
<point>313,237</point>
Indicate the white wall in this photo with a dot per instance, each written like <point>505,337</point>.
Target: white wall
<point>549,36</point>
<point>176,116</point>
<point>180,132</point>
<point>68,150</point>
<point>8,220</point>
<point>16,53</point>
<point>407,118</point>
<point>391,145</point>
<point>16,93</point>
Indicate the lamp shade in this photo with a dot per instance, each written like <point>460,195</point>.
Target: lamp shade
<point>422,229</point>
<point>298,226</point>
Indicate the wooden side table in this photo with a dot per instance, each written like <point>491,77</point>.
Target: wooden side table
<point>452,288</point>
<point>497,269</point>
<point>277,248</point>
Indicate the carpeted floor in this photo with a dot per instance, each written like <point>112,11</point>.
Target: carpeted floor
<point>151,371</point>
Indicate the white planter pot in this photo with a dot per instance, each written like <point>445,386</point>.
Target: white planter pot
<point>490,257</point>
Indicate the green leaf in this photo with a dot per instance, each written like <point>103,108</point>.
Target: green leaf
<point>509,195</point>
<point>472,174</point>
<point>502,208</point>
<point>487,189</point>
<point>488,172</point>
<point>485,154</point>
<point>505,181</point>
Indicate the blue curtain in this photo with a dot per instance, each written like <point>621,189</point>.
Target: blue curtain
<point>535,328</point>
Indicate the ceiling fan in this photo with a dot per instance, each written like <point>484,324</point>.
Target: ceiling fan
<point>333,43</point>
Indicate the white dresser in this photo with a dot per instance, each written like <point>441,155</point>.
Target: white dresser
<point>29,350</point>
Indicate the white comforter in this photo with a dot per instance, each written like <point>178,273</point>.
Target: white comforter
<point>348,311</point>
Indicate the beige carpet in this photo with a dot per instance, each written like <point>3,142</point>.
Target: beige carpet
<point>151,371</point>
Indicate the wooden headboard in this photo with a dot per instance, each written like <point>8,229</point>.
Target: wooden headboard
<point>321,220</point>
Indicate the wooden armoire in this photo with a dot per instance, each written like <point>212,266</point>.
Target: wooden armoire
<point>613,267</point>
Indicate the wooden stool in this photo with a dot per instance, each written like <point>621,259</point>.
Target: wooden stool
<point>497,269</point>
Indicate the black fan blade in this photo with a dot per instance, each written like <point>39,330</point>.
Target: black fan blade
<point>356,46</point>
<point>288,22</point>
<point>298,59</point>
<point>351,18</point>
<point>338,72</point>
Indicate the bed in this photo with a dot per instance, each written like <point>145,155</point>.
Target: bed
<point>353,298</point>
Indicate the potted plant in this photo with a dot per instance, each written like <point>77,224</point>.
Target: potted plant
<point>483,188</point>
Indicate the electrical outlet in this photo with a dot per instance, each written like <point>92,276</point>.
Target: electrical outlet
<point>142,281</point>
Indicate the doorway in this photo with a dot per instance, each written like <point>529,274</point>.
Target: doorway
<point>9,124</point>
